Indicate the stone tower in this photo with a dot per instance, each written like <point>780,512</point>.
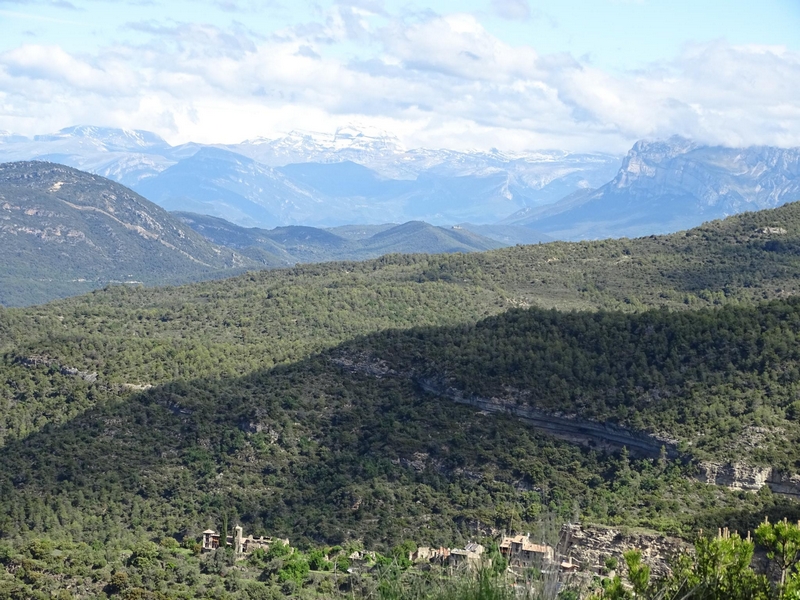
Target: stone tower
<point>237,540</point>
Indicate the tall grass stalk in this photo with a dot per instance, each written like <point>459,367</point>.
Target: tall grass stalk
<point>477,585</point>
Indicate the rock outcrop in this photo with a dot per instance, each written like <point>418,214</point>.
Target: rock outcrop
<point>739,476</point>
<point>591,545</point>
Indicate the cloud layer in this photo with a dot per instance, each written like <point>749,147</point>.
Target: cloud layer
<point>435,80</point>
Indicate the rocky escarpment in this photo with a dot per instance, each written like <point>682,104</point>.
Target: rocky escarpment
<point>665,186</point>
<point>604,436</point>
<point>607,436</point>
<point>594,434</point>
<point>37,360</point>
<point>739,476</point>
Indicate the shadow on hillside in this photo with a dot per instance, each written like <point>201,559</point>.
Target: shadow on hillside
<point>344,444</point>
<point>740,268</point>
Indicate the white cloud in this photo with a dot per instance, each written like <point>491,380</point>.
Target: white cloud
<point>440,81</point>
<point>108,76</point>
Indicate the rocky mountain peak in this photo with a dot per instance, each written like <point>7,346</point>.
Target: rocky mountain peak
<point>646,156</point>
<point>659,150</point>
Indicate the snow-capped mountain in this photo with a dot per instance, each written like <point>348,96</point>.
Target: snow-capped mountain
<point>124,155</point>
<point>361,175</point>
<point>310,175</point>
<point>366,146</point>
<point>106,139</point>
<point>666,186</point>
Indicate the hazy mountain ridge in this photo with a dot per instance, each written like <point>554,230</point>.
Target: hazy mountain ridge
<point>364,176</point>
<point>666,186</point>
<point>499,183</point>
<point>227,185</point>
<point>299,244</point>
<point>65,232</point>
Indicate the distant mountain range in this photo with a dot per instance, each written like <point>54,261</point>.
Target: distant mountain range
<point>65,232</point>
<point>358,176</point>
<point>315,179</point>
<point>298,244</point>
<point>668,186</point>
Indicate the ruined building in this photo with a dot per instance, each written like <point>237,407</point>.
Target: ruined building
<point>242,546</point>
<point>520,551</point>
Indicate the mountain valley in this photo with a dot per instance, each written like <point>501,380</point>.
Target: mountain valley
<point>429,397</point>
<point>361,394</point>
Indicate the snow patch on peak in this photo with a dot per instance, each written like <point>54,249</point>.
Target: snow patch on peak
<point>108,137</point>
<point>663,149</point>
<point>372,138</point>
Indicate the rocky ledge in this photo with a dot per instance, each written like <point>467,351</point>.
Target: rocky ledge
<point>603,436</point>
<point>739,476</point>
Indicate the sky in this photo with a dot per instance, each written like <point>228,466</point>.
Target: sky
<point>578,75</point>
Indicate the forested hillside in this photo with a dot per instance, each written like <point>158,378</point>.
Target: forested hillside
<point>316,402</point>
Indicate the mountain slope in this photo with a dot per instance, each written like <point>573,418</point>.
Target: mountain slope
<point>317,401</point>
<point>296,244</point>
<point>228,185</point>
<point>672,185</point>
<point>416,236</point>
<point>346,179</point>
<point>508,235</point>
<point>65,232</point>
<point>322,451</point>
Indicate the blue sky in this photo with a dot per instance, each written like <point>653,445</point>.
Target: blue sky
<point>514,74</point>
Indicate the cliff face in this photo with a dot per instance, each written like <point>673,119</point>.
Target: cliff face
<point>603,436</point>
<point>671,185</point>
<point>722,181</point>
<point>739,476</point>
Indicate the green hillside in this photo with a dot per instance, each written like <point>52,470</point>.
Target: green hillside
<point>295,447</point>
<point>317,402</point>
